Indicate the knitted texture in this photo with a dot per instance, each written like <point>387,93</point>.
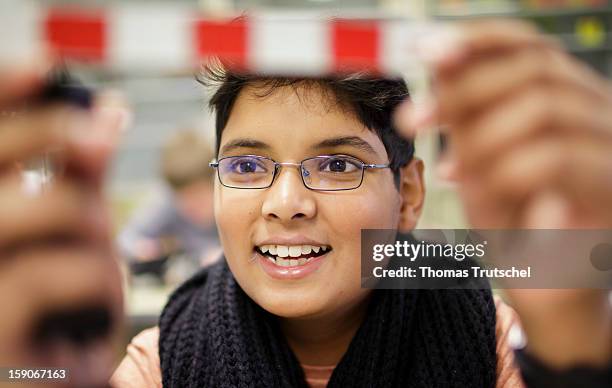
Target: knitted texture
<point>213,335</point>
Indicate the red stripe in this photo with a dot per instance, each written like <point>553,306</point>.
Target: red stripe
<point>355,45</point>
<point>76,33</point>
<point>226,40</point>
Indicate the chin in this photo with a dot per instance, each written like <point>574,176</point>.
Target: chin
<point>294,304</point>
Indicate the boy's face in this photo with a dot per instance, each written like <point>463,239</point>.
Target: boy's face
<point>289,126</point>
<point>194,202</point>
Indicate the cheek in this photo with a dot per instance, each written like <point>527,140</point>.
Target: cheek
<point>369,207</point>
<point>345,216</point>
<point>235,213</point>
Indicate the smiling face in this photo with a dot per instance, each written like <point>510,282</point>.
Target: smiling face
<point>291,125</point>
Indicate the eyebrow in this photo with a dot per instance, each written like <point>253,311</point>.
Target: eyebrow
<point>244,143</point>
<point>351,141</point>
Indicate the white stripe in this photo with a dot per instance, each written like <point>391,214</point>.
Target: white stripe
<point>150,38</point>
<point>21,26</point>
<point>397,40</point>
<point>286,45</point>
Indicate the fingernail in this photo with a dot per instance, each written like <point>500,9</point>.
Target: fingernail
<point>447,170</point>
<point>113,103</point>
<point>548,210</point>
<point>401,118</point>
<point>82,130</point>
<point>410,119</point>
<point>443,46</point>
<point>113,119</point>
<point>422,115</point>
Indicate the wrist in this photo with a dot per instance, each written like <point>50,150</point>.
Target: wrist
<point>565,334</point>
<point>535,373</point>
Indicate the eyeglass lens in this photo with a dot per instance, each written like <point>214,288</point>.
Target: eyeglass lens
<point>337,172</point>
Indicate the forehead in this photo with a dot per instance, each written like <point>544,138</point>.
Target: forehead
<point>291,119</point>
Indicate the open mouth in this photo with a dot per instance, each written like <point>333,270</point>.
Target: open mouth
<point>292,255</point>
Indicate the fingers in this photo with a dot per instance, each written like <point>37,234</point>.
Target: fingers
<point>66,214</point>
<point>83,140</point>
<point>27,136</point>
<point>411,118</point>
<point>530,115</point>
<point>548,179</point>
<point>79,141</point>
<point>500,58</point>
<point>477,38</point>
<point>53,278</point>
<point>581,330</point>
<point>472,70</point>
<point>484,210</point>
<point>20,81</point>
<point>573,166</point>
<point>529,126</point>
<point>42,282</point>
<point>84,274</point>
<point>488,81</point>
<point>56,254</point>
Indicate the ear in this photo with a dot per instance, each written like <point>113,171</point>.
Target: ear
<point>412,194</point>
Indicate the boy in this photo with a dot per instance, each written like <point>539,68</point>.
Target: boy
<point>180,220</point>
<point>303,166</point>
<point>291,234</point>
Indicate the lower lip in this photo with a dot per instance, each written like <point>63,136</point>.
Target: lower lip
<point>289,273</point>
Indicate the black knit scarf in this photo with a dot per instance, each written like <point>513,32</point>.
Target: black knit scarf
<point>213,335</point>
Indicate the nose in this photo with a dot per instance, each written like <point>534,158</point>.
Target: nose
<point>288,199</point>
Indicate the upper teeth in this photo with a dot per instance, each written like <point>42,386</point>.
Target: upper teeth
<point>291,250</point>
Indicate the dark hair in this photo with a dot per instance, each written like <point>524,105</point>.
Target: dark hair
<point>370,98</point>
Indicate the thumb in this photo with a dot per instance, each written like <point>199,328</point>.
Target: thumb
<point>411,118</point>
<point>110,116</point>
<point>548,210</point>
<point>114,114</point>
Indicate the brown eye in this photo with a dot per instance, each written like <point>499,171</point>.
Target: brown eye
<point>337,165</point>
<point>340,165</point>
<point>246,165</point>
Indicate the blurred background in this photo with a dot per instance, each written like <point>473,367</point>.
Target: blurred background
<point>142,181</point>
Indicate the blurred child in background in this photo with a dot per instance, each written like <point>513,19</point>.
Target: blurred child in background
<point>180,218</point>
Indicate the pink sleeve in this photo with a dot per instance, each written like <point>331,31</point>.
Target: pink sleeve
<point>140,366</point>
<point>508,374</point>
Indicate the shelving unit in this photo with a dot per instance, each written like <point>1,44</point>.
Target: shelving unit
<point>584,26</point>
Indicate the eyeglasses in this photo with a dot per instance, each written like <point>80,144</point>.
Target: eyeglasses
<point>321,173</point>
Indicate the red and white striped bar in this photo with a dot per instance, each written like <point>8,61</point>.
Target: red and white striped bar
<point>172,38</point>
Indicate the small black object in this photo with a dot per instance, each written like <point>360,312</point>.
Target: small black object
<point>78,325</point>
<point>62,87</point>
<point>537,374</point>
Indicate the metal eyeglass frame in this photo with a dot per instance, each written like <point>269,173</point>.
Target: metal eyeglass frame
<point>277,166</point>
